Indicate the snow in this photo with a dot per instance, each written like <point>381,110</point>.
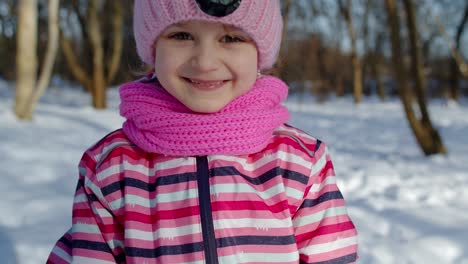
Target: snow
<point>408,208</point>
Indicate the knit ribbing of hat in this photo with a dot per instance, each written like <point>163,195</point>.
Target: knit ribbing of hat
<point>159,123</point>
<point>261,19</point>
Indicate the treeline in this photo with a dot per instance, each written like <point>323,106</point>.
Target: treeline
<point>411,48</point>
<point>325,41</point>
<point>334,46</point>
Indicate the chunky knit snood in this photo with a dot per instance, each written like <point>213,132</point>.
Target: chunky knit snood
<point>158,123</point>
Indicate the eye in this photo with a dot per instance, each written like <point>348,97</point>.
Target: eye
<point>181,36</point>
<point>232,39</point>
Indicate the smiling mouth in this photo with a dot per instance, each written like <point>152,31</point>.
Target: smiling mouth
<point>205,85</point>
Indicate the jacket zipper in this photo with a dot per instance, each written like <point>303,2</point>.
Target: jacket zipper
<point>209,240</point>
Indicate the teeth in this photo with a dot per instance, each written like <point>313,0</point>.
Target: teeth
<point>205,85</point>
<point>207,82</point>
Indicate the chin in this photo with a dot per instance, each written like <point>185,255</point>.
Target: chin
<point>206,110</point>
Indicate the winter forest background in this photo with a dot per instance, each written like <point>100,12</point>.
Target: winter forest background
<point>383,82</point>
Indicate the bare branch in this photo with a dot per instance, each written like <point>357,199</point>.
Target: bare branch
<point>76,69</point>
<point>117,40</point>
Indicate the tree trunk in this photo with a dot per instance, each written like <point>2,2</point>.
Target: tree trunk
<point>377,74</point>
<point>339,86</point>
<point>357,67</point>
<point>417,71</point>
<point>456,55</point>
<point>281,61</point>
<point>366,59</point>
<point>77,71</point>
<point>426,136</point>
<point>117,40</point>
<point>377,69</point>
<point>373,51</point>
<point>26,60</point>
<point>455,72</point>
<point>98,78</point>
<point>49,59</point>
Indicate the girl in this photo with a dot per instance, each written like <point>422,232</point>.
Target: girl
<point>204,169</point>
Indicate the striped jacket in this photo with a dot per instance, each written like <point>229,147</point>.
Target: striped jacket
<point>281,205</point>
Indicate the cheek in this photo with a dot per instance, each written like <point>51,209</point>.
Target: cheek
<point>251,60</point>
<point>248,73</point>
<point>163,63</point>
<point>246,79</point>
<point>248,66</point>
<point>245,60</point>
<point>158,60</point>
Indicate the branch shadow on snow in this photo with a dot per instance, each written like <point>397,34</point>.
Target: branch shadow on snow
<point>7,248</point>
<point>405,231</point>
<point>74,119</point>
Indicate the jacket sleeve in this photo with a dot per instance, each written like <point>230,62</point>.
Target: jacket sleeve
<point>95,236</point>
<point>323,230</point>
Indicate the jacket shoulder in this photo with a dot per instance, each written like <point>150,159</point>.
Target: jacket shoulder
<point>299,140</point>
<point>113,144</point>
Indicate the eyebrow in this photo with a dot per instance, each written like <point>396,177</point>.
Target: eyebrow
<point>227,28</point>
<point>231,28</point>
<point>180,24</point>
<point>235,30</point>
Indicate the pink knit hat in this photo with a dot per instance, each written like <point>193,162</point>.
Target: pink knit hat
<point>261,19</point>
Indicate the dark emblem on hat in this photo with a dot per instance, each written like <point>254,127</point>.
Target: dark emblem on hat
<point>218,8</point>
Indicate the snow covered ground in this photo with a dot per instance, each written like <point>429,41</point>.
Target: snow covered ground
<point>407,208</point>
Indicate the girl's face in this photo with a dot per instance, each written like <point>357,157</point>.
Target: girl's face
<point>205,65</point>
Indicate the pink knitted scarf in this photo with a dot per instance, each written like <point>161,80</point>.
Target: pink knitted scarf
<point>159,123</point>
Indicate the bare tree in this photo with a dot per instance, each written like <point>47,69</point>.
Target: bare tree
<point>455,52</point>
<point>26,58</point>
<point>345,10</point>
<point>102,68</point>
<point>97,76</point>
<point>427,137</point>
<point>117,21</point>
<point>279,67</point>
<point>28,93</point>
<point>373,41</point>
<point>8,38</point>
<point>455,68</point>
<point>49,59</point>
<point>376,67</point>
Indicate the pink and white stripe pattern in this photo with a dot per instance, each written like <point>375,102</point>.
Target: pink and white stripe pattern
<point>281,205</point>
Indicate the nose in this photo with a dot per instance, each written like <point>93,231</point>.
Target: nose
<point>205,58</point>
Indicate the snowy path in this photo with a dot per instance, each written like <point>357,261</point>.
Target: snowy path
<point>408,208</point>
